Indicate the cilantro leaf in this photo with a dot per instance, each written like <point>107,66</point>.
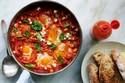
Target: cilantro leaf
<point>60,59</point>
<point>38,46</point>
<point>38,36</point>
<point>29,65</point>
<point>62,37</point>
<point>26,21</point>
<point>66,25</point>
<point>36,25</point>
<point>27,34</point>
<point>53,46</point>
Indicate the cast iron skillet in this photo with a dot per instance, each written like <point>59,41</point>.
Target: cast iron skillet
<point>43,4</point>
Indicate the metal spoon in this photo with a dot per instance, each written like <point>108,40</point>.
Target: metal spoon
<point>9,66</point>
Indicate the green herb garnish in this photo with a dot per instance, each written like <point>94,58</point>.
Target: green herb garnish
<point>38,46</point>
<point>66,25</point>
<point>36,25</point>
<point>53,46</point>
<point>38,36</point>
<point>26,21</point>
<point>60,59</point>
<point>62,37</point>
<point>56,16</point>
<point>70,32</point>
<point>15,31</point>
<point>19,36</point>
<point>29,65</point>
<point>27,34</point>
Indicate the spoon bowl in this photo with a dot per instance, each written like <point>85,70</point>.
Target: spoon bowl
<point>9,66</point>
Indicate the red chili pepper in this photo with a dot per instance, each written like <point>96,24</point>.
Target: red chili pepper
<point>115,24</point>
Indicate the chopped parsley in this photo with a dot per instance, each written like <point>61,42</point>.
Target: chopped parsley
<point>53,46</point>
<point>26,21</point>
<point>56,16</point>
<point>27,34</point>
<point>29,65</point>
<point>38,36</point>
<point>19,36</point>
<point>36,25</point>
<point>62,37</point>
<point>60,59</point>
<point>66,25</point>
<point>38,46</point>
<point>70,32</point>
<point>15,31</point>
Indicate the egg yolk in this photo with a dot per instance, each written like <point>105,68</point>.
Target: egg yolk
<point>52,35</point>
<point>24,28</point>
<point>26,49</point>
<point>46,61</point>
<point>61,51</point>
<point>43,18</point>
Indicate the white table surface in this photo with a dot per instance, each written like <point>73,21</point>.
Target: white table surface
<point>87,12</point>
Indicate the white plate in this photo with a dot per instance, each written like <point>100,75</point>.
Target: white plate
<point>104,47</point>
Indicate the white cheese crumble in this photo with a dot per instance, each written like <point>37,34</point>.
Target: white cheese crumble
<point>55,19</point>
<point>54,65</point>
<point>14,51</point>
<point>55,11</point>
<point>49,43</point>
<point>38,9</point>
<point>67,35</point>
<point>61,47</point>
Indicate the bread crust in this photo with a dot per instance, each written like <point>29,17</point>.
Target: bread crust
<point>93,73</point>
<point>106,70</point>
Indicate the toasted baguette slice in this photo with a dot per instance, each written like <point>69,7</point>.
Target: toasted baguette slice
<point>106,70</point>
<point>120,62</point>
<point>117,77</point>
<point>93,73</point>
<point>97,57</point>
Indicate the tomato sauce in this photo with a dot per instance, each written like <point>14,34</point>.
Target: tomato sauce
<point>45,40</point>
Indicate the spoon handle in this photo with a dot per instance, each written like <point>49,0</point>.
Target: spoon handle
<point>4,31</point>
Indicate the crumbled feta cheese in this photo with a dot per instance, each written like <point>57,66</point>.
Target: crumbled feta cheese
<point>68,35</point>
<point>54,65</point>
<point>45,68</point>
<point>43,40</point>
<point>61,47</point>
<point>21,47</point>
<point>15,25</point>
<point>43,33</point>
<point>55,20</point>
<point>55,11</point>
<point>43,28</point>
<point>63,18</point>
<point>14,51</point>
<point>49,43</point>
<point>30,22</point>
<point>38,9</point>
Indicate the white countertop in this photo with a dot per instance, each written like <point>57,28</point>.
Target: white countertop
<point>87,12</point>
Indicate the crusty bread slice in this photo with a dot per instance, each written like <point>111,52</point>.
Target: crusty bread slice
<point>97,57</point>
<point>106,70</point>
<point>93,73</point>
<point>118,63</point>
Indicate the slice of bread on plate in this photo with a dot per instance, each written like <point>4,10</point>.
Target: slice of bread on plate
<point>93,73</point>
<point>97,57</point>
<point>101,58</point>
<point>119,59</point>
<point>106,69</point>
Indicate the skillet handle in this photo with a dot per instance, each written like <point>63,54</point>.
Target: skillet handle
<point>25,77</point>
